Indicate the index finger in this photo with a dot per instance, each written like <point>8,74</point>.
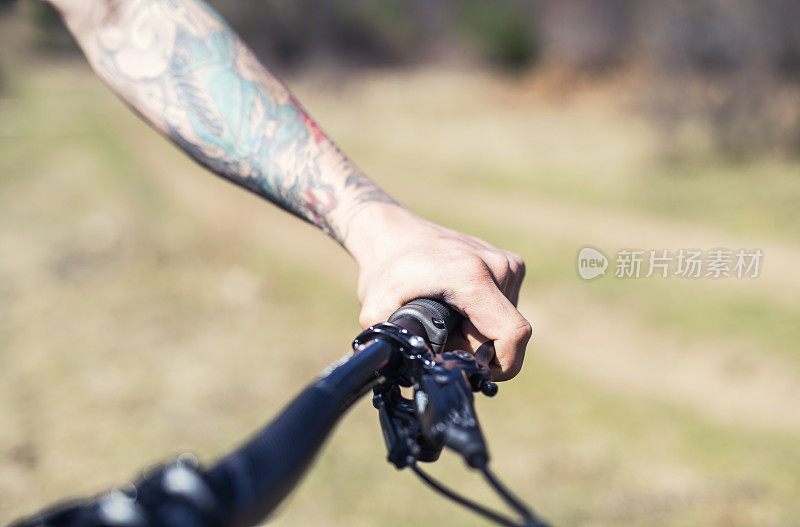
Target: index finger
<point>496,318</point>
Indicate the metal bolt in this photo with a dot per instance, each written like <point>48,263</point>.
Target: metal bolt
<point>417,341</point>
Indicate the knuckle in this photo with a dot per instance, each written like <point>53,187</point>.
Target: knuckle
<point>523,331</point>
<point>474,266</point>
<point>497,261</point>
<point>502,278</point>
<point>516,264</point>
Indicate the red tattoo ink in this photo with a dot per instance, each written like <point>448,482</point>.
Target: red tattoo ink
<point>316,131</point>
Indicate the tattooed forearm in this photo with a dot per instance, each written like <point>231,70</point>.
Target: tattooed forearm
<point>183,69</point>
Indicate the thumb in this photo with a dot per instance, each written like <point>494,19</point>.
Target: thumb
<point>375,309</point>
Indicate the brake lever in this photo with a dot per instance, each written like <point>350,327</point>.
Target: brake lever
<point>442,412</point>
<point>445,405</point>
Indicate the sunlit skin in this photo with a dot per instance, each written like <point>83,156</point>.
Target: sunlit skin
<point>178,65</point>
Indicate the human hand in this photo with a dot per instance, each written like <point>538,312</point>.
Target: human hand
<point>402,257</point>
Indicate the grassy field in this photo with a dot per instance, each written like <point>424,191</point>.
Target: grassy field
<point>148,308</point>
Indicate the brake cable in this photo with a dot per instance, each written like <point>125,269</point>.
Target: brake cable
<point>529,519</point>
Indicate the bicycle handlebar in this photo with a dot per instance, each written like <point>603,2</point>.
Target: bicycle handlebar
<point>244,487</point>
<point>257,476</point>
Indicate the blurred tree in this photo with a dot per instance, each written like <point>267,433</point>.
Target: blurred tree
<point>354,32</point>
<point>503,30</point>
<point>732,65</point>
<point>589,35</point>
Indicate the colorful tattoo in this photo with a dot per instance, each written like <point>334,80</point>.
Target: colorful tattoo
<point>178,64</point>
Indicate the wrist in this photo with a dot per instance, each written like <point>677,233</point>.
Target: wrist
<point>376,229</point>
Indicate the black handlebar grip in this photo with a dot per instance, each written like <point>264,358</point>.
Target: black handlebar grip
<point>430,319</point>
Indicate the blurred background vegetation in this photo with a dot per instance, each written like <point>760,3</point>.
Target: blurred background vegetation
<point>147,308</point>
<point>725,70</point>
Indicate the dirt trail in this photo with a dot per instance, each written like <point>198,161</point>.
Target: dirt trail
<point>724,380</point>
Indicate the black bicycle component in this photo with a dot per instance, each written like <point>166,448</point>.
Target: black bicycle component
<point>255,478</point>
<point>173,494</point>
<point>442,412</point>
<point>444,406</point>
<point>244,487</point>
<point>402,432</point>
<point>427,318</point>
